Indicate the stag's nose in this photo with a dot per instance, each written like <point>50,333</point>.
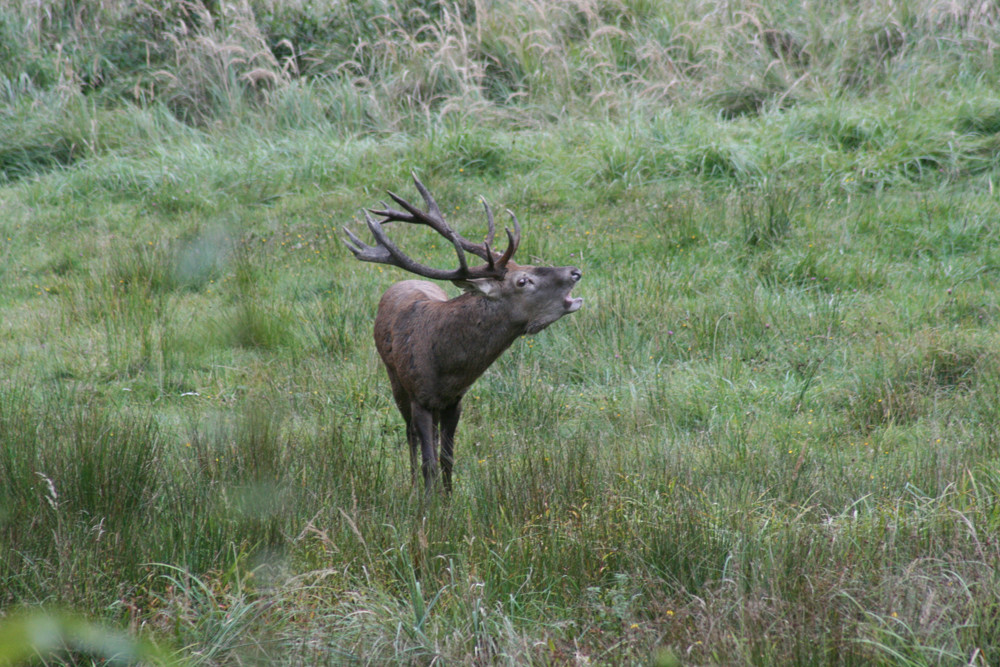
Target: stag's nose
<point>575,274</point>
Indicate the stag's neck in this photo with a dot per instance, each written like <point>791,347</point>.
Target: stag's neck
<point>481,330</point>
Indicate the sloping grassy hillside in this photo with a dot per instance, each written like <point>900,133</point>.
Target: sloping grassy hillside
<point>769,437</point>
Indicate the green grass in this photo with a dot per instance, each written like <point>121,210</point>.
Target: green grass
<point>769,437</point>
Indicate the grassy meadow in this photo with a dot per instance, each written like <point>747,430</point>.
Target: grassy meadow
<point>769,437</point>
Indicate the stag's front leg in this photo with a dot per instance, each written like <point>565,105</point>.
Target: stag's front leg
<point>449,422</point>
<point>423,424</point>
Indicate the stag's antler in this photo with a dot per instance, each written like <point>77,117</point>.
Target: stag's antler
<point>386,252</point>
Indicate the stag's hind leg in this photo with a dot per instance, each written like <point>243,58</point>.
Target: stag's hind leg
<point>413,441</point>
<point>448,423</point>
<point>425,428</point>
<point>403,403</point>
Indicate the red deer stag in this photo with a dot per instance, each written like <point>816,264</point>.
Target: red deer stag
<point>434,347</point>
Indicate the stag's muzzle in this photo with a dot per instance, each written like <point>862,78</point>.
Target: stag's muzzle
<point>573,304</point>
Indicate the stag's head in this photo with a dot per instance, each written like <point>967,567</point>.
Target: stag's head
<point>532,296</point>
<point>535,296</point>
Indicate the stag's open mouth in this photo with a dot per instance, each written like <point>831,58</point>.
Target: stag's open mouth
<point>570,303</point>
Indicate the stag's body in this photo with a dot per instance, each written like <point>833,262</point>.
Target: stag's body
<point>434,347</point>
<point>459,339</point>
<point>430,372</point>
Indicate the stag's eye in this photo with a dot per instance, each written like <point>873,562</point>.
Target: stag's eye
<point>522,281</point>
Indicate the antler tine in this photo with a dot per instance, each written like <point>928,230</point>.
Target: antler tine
<point>513,240</point>
<point>354,244</point>
<point>432,206</point>
<point>490,258</point>
<point>363,251</point>
<point>489,221</point>
<point>414,214</point>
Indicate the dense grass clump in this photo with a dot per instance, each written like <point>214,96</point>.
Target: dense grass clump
<point>769,437</point>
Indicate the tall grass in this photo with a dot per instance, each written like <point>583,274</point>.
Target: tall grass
<point>768,438</point>
<point>383,67</point>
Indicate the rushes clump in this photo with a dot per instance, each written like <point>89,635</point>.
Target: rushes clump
<point>766,214</point>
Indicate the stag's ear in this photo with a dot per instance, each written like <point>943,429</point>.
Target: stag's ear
<point>488,287</point>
